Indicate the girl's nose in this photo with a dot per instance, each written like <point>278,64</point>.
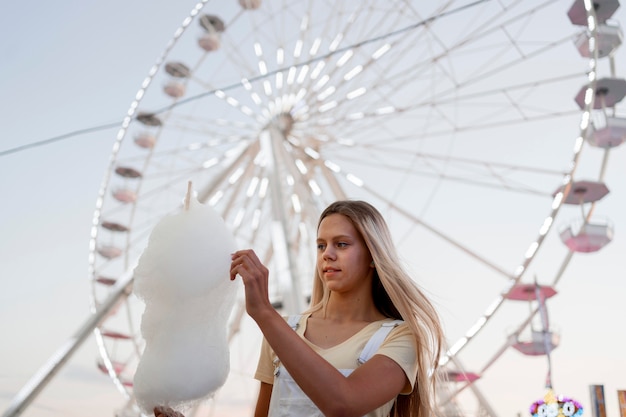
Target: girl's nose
<point>328,253</point>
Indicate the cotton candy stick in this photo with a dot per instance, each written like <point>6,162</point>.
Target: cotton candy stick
<point>182,277</point>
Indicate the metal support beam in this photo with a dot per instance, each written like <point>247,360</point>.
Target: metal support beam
<point>270,142</point>
<point>43,376</point>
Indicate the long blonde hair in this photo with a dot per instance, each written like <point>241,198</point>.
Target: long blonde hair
<point>395,295</point>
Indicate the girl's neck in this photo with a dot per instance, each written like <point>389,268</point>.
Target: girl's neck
<point>346,309</point>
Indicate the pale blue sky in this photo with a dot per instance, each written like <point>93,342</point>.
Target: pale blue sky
<point>70,65</point>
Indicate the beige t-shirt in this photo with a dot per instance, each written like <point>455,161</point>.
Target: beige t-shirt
<point>399,346</point>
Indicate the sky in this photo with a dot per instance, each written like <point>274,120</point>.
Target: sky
<point>72,65</point>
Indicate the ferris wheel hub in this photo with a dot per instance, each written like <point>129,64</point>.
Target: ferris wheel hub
<point>284,123</point>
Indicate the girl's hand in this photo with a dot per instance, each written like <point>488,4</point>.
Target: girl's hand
<point>254,275</point>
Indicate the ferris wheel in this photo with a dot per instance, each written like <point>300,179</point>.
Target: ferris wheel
<point>458,120</point>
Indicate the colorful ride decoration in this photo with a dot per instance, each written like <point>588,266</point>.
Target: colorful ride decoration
<point>556,406</point>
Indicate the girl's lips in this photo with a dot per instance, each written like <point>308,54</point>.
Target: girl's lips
<point>330,272</point>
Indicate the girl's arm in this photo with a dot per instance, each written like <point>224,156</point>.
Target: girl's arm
<point>263,401</point>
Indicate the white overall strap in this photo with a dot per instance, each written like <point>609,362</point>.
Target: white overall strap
<point>294,321</point>
<point>376,340</point>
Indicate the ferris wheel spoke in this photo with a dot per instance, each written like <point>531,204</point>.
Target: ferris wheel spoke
<point>476,172</point>
<point>408,215</point>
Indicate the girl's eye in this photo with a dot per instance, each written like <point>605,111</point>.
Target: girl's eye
<point>341,244</point>
<point>321,246</point>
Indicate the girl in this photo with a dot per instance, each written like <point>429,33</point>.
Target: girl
<point>370,342</point>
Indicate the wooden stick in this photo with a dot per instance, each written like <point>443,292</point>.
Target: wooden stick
<point>188,195</point>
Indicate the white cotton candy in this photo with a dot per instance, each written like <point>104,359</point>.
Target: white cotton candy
<point>183,279</point>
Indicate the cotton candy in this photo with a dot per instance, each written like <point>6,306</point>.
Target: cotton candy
<point>183,279</point>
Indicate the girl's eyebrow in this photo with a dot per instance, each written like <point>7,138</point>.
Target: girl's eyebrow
<point>319,239</point>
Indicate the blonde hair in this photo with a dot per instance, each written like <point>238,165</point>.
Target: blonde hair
<point>395,295</point>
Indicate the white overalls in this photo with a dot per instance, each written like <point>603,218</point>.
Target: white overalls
<point>288,400</point>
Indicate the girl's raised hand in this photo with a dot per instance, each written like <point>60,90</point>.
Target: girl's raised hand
<point>254,275</point>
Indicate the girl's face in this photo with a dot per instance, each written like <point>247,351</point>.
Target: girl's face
<point>343,260</point>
